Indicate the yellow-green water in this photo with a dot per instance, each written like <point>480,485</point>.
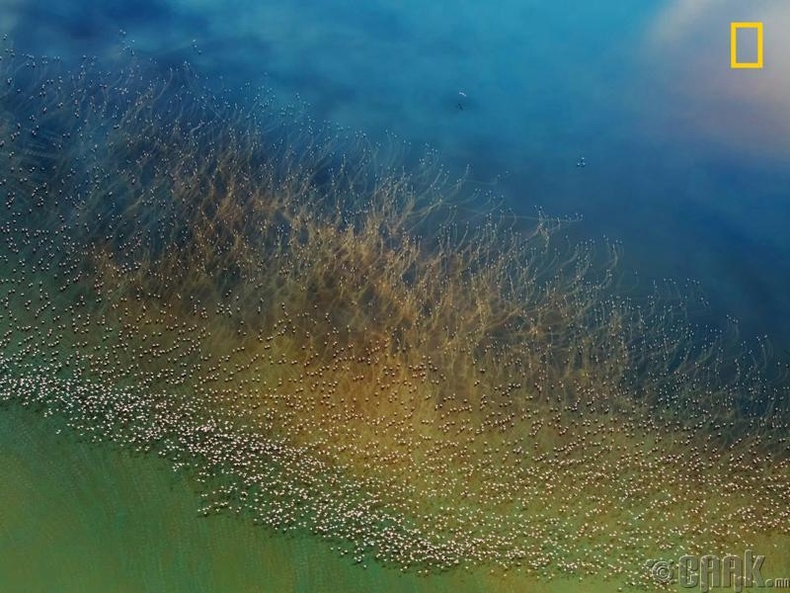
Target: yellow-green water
<point>84,518</point>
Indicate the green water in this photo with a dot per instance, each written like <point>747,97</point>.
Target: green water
<point>79,517</point>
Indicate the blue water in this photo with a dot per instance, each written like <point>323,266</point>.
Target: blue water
<point>687,161</point>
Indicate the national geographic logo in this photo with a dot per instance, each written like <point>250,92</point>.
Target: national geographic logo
<point>734,28</point>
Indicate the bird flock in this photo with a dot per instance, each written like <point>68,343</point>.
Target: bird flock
<point>329,343</point>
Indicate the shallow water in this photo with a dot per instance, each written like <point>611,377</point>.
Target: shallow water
<point>80,518</point>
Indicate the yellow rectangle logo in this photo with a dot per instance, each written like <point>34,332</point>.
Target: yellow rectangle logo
<point>734,63</point>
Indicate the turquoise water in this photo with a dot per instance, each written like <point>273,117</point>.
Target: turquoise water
<point>687,160</point>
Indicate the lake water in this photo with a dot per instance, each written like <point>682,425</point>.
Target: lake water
<point>686,163</point>
<point>687,159</point>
